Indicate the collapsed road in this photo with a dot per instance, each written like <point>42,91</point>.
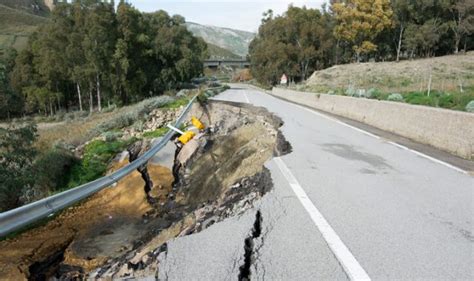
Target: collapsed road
<point>347,204</point>
<point>239,206</point>
<point>123,230</point>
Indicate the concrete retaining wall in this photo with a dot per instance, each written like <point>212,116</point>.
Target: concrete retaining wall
<point>448,130</point>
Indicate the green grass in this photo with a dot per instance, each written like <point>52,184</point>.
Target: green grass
<point>440,99</point>
<point>177,103</point>
<point>97,156</point>
<point>454,101</point>
<point>156,133</point>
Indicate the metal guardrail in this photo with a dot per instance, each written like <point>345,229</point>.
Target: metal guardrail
<point>20,217</point>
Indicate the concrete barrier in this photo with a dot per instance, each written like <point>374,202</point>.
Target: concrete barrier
<point>448,130</point>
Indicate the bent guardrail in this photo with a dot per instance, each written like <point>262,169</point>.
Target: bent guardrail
<point>20,217</point>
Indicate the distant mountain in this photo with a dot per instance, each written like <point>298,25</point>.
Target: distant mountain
<point>236,41</point>
<point>216,52</point>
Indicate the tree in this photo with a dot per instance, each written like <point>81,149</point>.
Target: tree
<point>401,17</point>
<point>130,55</point>
<point>296,43</point>
<point>16,159</point>
<point>88,47</point>
<point>99,45</point>
<point>177,54</point>
<point>360,21</point>
<point>462,24</point>
<point>423,37</point>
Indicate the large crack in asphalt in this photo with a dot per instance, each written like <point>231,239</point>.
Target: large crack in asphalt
<point>221,175</point>
<point>245,268</point>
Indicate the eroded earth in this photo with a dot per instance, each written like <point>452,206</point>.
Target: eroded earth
<point>122,230</point>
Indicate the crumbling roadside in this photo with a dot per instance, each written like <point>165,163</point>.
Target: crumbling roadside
<point>219,176</point>
<point>118,233</point>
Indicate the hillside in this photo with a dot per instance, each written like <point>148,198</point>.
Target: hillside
<point>446,82</point>
<point>447,73</point>
<point>35,7</point>
<point>237,41</point>
<point>216,52</point>
<point>18,19</point>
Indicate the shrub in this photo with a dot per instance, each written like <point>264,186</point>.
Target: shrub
<point>214,84</point>
<point>446,101</point>
<point>372,93</point>
<point>110,108</point>
<point>16,160</point>
<point>178,103</point>
<point>395,97</point>
<point>361,93</point>
<point>183,93</point>
<point>156,133</point>
<point>97,155</point>
<point>419,98</point>
<point>470,106</point>
<point>350,91</point>
<point>112,135</point>
<point>52,169</point>
<point>134,113</point>
<point>60,144</point>
<point>59,116</point>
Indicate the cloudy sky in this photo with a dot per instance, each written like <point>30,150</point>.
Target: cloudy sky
<point>244,14</point>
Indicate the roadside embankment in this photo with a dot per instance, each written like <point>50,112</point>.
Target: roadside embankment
<point>446,130</point>
<point>122,231</point>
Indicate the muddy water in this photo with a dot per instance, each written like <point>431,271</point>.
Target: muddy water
<point>118,233</point>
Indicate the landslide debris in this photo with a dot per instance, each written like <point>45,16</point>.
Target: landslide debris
<point>121,231</point>
<point>218,175</point>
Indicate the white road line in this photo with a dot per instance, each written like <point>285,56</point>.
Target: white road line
<point>348,262</point>
<point>379,138</point>
<point>428,157</point>
<point>246,97</point>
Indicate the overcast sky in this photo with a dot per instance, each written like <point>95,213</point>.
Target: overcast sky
<point>244,15</point>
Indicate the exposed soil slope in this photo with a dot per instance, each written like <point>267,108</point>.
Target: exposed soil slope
<point>448,73</point>
<point>120,231</point>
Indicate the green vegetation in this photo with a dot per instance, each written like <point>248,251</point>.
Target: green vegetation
<point>53,170</point>
<point>17,155</point>
<point>156,133</point>
<point>296,43</point>
<point>97,156</point>
<point>88,54</point>
<point>447,100</point>
<point>303,40</point>
<point>177,103</point>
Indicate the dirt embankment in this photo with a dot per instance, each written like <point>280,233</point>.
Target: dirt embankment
<point>86,235</point>
<point>448,73</point>
<point>119,232</point>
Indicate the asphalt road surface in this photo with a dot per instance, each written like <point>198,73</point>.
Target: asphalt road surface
<point>345,205</point>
